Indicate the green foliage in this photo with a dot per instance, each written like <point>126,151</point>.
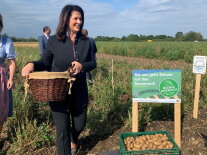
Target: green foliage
<point>191,36</point>
<point>106,110</point>
<point>179,35</point>
<point>46,136</point>
<point>29,135</point>
<point>155,50</point>
<point>16,39</point>
<point>30,126</point>
<point>110,100</point>
<point>132,37</point>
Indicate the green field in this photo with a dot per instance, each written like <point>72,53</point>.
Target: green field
<point>110,101</point>
<point>155,50</point>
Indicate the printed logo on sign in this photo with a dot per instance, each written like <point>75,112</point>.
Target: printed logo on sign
<point>168,87</point>
<point>199,65</point>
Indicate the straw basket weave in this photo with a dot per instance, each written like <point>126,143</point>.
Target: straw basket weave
<point>49,86</point>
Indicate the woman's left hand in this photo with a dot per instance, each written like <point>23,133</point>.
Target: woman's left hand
<point>9,84</point>
<point>76,68</point>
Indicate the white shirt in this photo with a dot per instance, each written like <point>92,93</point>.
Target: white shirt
<point>47,36</point>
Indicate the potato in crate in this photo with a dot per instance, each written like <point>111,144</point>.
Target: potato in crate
<point>148,143</point>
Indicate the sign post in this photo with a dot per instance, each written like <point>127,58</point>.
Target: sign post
<point>135,112</point>
<point>199,67</point>
<point>157,86</point>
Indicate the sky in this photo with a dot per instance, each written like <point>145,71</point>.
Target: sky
<point>112,18</point>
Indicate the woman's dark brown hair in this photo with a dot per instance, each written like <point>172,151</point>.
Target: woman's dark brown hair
<point>1,22</point>
<point>64,20</point>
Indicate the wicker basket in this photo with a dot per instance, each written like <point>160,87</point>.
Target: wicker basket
<point>49,86</point>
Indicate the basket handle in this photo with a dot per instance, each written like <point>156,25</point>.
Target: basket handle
<point>70,80</point>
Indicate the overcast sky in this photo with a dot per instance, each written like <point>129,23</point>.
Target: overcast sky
<point>113,18</point>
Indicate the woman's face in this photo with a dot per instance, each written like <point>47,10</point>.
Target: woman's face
<point>75,21</point>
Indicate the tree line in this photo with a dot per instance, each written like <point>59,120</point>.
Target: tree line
<point>17,39</point>
<point>179,36</point>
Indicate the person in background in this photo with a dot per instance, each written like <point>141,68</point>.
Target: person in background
<point>44,38</point>
<point>94,50</point>
<point>68,49</point>
<point>7,52</point>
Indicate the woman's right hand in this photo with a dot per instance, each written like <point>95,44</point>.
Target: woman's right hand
<point>27,69</point>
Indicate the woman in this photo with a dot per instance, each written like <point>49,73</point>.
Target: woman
<point>68,48</point>
<point>6,80</point>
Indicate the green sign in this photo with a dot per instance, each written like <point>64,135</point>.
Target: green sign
<point>162,86</point>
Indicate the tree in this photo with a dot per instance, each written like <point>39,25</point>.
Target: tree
<point>150,37</point>
<point>179,35</point>
<point>191,36</point>
<point>143,37</point>
<point>160,37</point>
<point>123,38</point>
<point>132,37</point>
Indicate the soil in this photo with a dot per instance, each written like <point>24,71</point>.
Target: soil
<point>193,137</point>
<point>193,134</point>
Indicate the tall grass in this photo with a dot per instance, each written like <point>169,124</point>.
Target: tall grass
<point>109,109</point>
<point>30,126</point>
<point>155,50</point>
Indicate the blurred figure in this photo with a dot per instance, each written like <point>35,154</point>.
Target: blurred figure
<point>44,38</point>
<point>93,51</point>
<point>6,77</point>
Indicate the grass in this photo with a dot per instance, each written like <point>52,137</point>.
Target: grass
<point>110,101</point>
<point>155,50</point>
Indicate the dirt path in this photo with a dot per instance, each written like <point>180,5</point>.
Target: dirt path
<point>153,62</point>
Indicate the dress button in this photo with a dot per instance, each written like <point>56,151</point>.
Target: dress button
<point>77,59</point>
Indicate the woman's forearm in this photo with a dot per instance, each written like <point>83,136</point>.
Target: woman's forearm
<point>12,68</point>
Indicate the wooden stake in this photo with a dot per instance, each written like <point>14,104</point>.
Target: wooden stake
<point>112,77</point>
<point>177,121</point>
<point>196,97</point>
<point>135,125</point>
